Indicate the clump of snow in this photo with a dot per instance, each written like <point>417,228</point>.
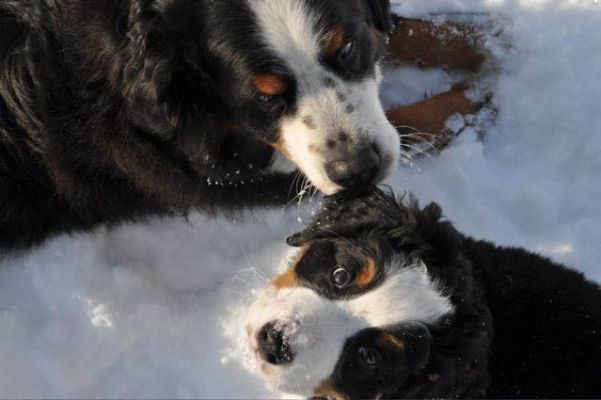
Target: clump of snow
<point>406,84</point>
<point>154,310</point>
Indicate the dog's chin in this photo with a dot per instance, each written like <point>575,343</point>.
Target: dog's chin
<point>328,187</point>
<point>277,384</point>
<point>389,164</point>
<point>278,381</point>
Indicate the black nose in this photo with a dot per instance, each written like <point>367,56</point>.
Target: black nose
<point>362,167</point>
<point>273,346</point>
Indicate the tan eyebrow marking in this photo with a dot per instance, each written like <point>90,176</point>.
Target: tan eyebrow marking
<point>335,41</point>
<point>268,84</point>
<point>386,339</point>
<point>367,274</point>
<point>289,279</point>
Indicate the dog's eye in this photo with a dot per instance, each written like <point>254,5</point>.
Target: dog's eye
<point>264,98</point>
<point>368,356</point>
<point>346,51</point>
<point>341,277</point>
<point>272,104</point>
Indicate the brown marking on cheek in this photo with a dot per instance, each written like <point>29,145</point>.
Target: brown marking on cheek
<point>289,279</point>
<point>269,85</point>
<point>387,340</point>
<point>313,148</point>
<point>335,41</point>
<point>326,390</point>
<point>367,274</point>
<point>281,147</point>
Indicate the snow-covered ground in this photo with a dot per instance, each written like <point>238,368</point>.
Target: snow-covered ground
<point>151,310</point>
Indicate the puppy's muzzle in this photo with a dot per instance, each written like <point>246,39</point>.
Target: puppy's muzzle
<point>361,168</point>
<point>273,344</point>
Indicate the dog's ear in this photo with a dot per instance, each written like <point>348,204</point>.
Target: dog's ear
<point>382,18</point>
<point>352,210</point>
<point>162,78</point>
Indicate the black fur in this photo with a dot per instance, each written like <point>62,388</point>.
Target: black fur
<point>523,327</point>
<point>380,10</point>
<point>113,110</point>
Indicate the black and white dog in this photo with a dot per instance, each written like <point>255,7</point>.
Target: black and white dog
<point>386,300</point>
<point>112,110</point>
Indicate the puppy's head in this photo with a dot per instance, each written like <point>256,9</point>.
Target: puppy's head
<point>303,75</point>
<point>349,316</point>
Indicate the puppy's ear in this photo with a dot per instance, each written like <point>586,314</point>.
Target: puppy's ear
<point>350,211</point>
<point>380,10</point>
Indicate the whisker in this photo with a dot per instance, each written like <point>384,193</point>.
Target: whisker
<point>298,192</point>
<point>294,181</point>
<point>301,195</point>
<point>316,192</point>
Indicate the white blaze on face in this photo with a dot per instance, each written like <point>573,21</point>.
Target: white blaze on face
<point>319,330</point>
<point>321,326</point>
<point>332,114</point>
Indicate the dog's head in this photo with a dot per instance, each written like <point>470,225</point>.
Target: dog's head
<point>299,75</point>
<point>316,99</point>
<point>349,317</point>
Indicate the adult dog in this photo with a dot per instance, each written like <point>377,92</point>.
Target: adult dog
<point>386,300</point>
<point>111,110</point>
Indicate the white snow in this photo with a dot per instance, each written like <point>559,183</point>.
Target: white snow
<point>151,310</point>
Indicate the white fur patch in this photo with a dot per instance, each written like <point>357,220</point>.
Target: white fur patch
<point>291,30</point>
<point>322,326</point>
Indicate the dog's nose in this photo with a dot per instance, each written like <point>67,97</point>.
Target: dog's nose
<point>363,167</point>
<point>273,345</point>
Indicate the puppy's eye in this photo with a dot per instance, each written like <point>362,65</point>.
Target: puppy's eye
<point>264,98</point>
<point>346,51</point>
<point>341,277</point>
<point>368,356</point>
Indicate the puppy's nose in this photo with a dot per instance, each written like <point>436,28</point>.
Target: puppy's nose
<point>273,345</point>
<point>359,168</point>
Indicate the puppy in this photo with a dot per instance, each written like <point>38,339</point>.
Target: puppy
<point>383,299</point>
